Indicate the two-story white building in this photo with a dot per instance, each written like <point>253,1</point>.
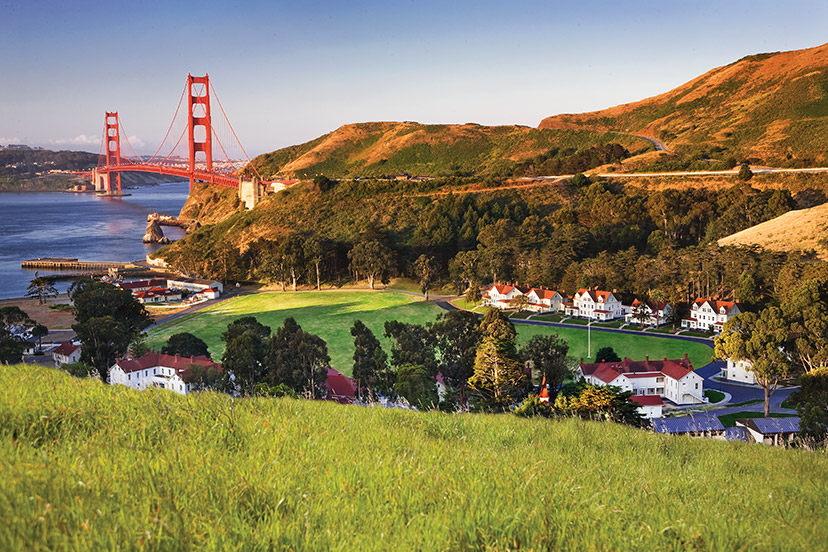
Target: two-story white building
<point>673,380</point>
<point>595,304</point>
<point>67,352</point>
<point>739,371</point>
<point>545,300</point>
<point>649,313</point>
<point>710,313</point>
<point>158,370</point>
<point>502,295</point>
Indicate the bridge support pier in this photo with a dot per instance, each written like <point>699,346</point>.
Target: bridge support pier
<point>250,192</point>
<point>100,181</point>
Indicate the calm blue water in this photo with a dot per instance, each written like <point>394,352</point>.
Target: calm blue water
<point>91,228</point>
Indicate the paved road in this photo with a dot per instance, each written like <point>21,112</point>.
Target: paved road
<point>730,172</point>
<point>657,144</point>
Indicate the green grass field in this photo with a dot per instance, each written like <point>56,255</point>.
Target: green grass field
<point>331,315</point>
<point>88,467</point>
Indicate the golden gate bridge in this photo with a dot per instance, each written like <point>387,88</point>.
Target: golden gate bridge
<point>198,164</point>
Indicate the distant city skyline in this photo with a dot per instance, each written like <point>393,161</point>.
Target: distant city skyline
<point>288,72</point>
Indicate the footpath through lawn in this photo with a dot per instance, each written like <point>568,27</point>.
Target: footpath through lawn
<point>330,315</point>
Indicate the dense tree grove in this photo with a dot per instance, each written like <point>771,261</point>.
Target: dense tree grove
<point>658,244</point>
<point>289,358</point>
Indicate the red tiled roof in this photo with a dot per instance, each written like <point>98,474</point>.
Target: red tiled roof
<point>647,400</point>
<point>339,387</point>
<point>151,360</point>
<point>597,295</point>
<point>543,293</point>
<point>143,284</point>
<point>66,348</point>
<point>654,305</point>
<point>504,289</point>
<point>155,292</point>
<point>675,369</point>
<point>716,304</point>
<point>644,374</point>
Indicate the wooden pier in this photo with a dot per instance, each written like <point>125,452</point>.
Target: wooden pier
<point>65,263</point>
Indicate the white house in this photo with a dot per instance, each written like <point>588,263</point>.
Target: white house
<point>649,313</point>
<point>739,371</point>
<point>673,380</point>
<point>157,370</point>
<point>67,352</point>
<point>649,406</point>
<point>502,295</point>
<point>545,300</point>
<point>595,305</point>
<point>710,313</point>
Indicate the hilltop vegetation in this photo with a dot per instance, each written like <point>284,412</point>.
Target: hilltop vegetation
<point>770,108</point>
<point>91,467</point>
<point>392,148</point>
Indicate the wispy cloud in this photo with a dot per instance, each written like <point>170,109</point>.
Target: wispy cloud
<point>6,141</point>
<point>79,140</point>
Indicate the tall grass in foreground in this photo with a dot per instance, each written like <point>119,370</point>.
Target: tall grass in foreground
<point>84,466</point>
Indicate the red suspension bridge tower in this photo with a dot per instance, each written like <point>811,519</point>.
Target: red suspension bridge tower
<point>200,134</point>
<point>198,114</point>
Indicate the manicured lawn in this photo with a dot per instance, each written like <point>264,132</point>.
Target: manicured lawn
<point>714,396</point>
<point>466,305</point>
<point>576,321</point>
<point>613,324</point>
<point>662,330</point>
<point>330,315</point>
<point>549,317</point>
<point>729,420</point>
<point>696,334</point>
<point>520,315</point>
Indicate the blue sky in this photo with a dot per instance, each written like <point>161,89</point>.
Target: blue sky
<point>287,72</point>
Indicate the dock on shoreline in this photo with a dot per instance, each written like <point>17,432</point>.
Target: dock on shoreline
<point>67,263</point>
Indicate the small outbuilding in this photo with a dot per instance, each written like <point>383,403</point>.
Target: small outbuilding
<point>770,431</point>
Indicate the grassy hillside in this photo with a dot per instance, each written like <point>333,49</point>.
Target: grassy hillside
<point>804,229</point>
<point>389,148</point>
<point>773,107</point>
<point>84,466</point>
<point>331,315</point>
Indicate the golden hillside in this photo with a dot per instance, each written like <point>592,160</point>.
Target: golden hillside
<point>800,230</point>
<point>771,107</point>
<point>389,148</point>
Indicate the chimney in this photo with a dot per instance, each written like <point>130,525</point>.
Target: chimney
<point>647,358</point>
<point>582,360</point>
<point>665,359</point>
<point>685,356</point>
<point>176,357</point>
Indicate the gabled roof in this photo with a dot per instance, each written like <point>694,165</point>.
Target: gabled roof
<point>647,400</point>
<point>151,360</point>
<point>675,369</point>
<point>654,305</point>
<point>544,293</point>
<point>339,387</point>
<point>597,295</point>
<point>504,289</point>
<point>66,348</point>
<point>716,304</point>
<point>135,284</point>
<point>769,426</point>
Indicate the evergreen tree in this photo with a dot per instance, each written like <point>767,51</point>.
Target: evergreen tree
<point>298,359</point>
<point>186,345</point>
<point>370,361</point>
<point>418,388</point>
<point>413,344</point>
<point>244,353</point>
<point>761,339</point>
<point>497,376</point>
<point>457,336</point>
<point>607,354</point>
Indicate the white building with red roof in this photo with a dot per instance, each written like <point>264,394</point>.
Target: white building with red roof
<point>142,285</point>
<point>67,352</point>
<point>649,313</point>
<point>502,295</point>
<point>673,380</point>
<point>545,300</point>
<point>740,371</point>
<point>157,295</point>
<point>710,313</point>
<point>649,406</point>
<point>158,370</point>
<point>595,304</point>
